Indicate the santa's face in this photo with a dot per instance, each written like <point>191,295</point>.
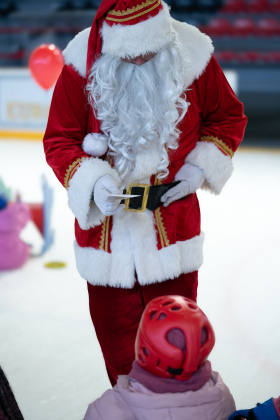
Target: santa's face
<point>140,59</point>
<point>139,105</point>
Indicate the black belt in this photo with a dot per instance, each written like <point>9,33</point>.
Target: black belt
<point>150,196</point>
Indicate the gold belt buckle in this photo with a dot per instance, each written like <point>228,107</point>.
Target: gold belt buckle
<point>144,198</point>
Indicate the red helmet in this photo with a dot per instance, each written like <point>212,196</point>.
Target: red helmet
<point>155,354</point>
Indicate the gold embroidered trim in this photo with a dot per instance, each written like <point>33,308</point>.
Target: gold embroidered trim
<point>107,234</point>
<point>161,229</point>
<point>224,147</point>
<point>70,171</point>
<point>157,181</point>
<point>110,160</point>
<point>134,16</point>
<point>104,239</point>
<point>133,9</point>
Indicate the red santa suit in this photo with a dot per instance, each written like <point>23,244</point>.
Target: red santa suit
<point>132,250</point>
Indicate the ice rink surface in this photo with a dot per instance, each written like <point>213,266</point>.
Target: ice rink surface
<point>48,348</point>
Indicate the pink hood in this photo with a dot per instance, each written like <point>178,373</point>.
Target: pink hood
<point>129,400</point>
<point>13,251</point>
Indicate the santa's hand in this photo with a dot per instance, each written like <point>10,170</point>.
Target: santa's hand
<point>103,190</point>
<point>191,178</point>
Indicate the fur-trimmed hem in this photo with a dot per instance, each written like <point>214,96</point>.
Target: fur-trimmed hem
<point>80,191</point>
<point>216,166</point>
<point>99,268</point>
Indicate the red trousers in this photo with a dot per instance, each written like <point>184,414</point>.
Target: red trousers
<point>116,313</point>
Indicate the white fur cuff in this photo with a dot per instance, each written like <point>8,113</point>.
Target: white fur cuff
<point>80,190</point>
<point>95,144</point>
<point>216,166</point>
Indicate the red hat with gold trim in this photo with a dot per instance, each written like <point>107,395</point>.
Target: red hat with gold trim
<point>129,28</point>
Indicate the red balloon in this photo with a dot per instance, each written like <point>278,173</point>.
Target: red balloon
<point>45,64</point>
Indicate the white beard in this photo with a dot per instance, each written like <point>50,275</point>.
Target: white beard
<point>139,106</point>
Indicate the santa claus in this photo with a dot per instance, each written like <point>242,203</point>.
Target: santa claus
<point>141,108</point>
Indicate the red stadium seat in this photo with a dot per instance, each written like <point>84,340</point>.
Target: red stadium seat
<point>247,57</point>
<point>272,57</point>
<point>275,6</point>
<point>226,56</point>
<point>218,27</point>
<point>268,27</point>
<point>250,57</point>
<point>257,6</point>
<point>234,6</point>
<point>244,27</point>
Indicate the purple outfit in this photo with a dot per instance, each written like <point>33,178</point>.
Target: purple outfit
<point>206,397</point>
<point>13,251</point>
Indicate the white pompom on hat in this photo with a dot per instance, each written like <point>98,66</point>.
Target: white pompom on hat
<point>95,144</point>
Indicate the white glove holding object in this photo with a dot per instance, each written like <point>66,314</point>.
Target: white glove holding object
<point>104,187</point>
<point>191,177</point>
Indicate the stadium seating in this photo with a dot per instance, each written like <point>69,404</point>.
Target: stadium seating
<point>257,6</point>
<point>183,5</point>
<point>208,5</point>
<point>243,26</point>
<point>244,32</point>
<point>274,6</point>
<point>268,27</point>
<point>226,56</point>
<point>272,57</point>
<point>217,27</point>
<point>234,6</point>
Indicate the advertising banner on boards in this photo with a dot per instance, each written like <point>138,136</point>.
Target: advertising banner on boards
<point>24,105</point>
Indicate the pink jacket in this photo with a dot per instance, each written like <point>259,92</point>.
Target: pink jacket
<point>13,251</point>
<point>129,400</point>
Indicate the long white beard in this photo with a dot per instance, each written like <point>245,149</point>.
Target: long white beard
<point>139,105</point>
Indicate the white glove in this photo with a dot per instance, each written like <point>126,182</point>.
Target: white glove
<point>191,177</point>
<point>107,204</point>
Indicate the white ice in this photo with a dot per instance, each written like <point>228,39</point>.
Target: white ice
<point>48,348</point>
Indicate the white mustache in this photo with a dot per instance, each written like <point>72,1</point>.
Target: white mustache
<point>139,105</point>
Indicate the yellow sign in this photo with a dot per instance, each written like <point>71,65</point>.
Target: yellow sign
<point>55,264</point>
<point>20,111</point>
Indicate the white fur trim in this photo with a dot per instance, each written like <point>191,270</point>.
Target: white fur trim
<point>76,52</point>
<point>134,248</point>
<point>216,166</point>
<point>95,144</point>
<point>144,37</point>
<point>195,47</point>
<point>80,190</point>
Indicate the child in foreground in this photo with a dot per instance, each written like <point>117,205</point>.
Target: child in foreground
<point>171,377</point>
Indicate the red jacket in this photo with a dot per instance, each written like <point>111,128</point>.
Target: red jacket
<point>162,244</point>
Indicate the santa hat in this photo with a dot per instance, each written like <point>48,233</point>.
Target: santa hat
<point>127,28</point>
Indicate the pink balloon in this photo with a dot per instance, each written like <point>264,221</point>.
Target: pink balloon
<point>45,64</point>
